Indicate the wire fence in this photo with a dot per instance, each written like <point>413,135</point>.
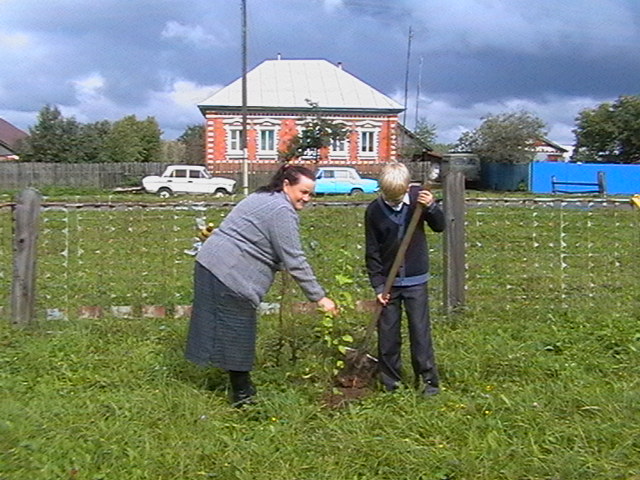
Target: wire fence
<point>553,254</point>
<point>134,259</point>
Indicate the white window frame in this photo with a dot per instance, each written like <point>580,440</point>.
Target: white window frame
<point>368,144</point>
<point>339,147</point>
<point>235,140</point>
<point>267,142</point>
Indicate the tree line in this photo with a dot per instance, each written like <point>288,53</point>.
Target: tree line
<point>58,139</point>
<point>608,133</point>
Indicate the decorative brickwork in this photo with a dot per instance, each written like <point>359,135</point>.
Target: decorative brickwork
<point>287,126</point>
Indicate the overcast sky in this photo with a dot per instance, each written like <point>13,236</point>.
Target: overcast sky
<point>105,59</point>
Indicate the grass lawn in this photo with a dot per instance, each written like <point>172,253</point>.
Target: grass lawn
<point>540,371</point>
<point>524,397</point>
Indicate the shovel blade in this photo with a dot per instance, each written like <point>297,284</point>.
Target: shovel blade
<point>359,370</point>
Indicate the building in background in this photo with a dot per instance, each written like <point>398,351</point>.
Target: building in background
<point>279,97</point>
<point>548,151</point>
<point>10,138</point>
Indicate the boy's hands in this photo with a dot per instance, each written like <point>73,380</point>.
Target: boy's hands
<point>425,197</point>
<point>383,298</point>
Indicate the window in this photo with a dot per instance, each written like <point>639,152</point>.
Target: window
<point>179,173</point>
<point>342,175</point>
<point>235,140</point>
<point>367,141</point>
<point>338,146</point>
<point>198,174</point>
<point>267,140</point>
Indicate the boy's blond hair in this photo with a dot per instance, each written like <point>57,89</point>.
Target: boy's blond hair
<point>394,181</point>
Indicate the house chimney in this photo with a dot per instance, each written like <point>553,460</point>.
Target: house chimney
<point>279,57</point>
<point>340,65</point>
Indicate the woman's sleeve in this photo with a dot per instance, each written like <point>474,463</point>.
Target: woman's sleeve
<point>288,250</point>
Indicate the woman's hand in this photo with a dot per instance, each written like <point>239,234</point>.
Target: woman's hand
<point>327,305</point>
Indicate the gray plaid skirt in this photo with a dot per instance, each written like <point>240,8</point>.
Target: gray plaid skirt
<point>222,330</point>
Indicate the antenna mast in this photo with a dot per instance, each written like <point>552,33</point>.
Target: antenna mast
<point>406,77</point>
<point>415,126</point>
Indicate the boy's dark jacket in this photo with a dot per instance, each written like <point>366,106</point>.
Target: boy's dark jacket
<point>383,236</point>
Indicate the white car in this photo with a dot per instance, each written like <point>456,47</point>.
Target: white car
<point>187,179</point>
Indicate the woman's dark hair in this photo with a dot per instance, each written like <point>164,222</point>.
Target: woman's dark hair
<point>291,173</point>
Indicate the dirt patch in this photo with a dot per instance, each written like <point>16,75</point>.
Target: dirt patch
<point>340,397</point>
<point>355,381</point>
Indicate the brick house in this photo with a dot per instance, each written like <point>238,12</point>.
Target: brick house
<point>278,96</point>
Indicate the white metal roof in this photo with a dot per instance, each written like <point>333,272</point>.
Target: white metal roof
<point>289,83</point>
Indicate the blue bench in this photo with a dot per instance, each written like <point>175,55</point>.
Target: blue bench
<point>599,186</point>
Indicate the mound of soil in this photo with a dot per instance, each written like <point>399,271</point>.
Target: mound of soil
<point>354,381</point>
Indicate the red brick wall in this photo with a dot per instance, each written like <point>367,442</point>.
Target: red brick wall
<point>216,138</point>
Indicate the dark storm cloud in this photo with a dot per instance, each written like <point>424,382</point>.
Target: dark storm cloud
<point>160,57</point>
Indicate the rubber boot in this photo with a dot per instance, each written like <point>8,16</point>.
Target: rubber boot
<point>242,389</point>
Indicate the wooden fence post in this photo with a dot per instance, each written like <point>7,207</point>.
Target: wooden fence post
<point>454,241</point>
<point>23,288</point>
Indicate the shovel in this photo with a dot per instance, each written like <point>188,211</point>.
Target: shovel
<point>359,366</point>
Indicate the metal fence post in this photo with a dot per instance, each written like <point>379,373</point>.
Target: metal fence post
<point>23,288</point>
<point>454,241</point>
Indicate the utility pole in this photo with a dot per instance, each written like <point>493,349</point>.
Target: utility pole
<point>243,141</point>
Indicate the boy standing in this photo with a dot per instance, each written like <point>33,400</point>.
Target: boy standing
<point>386,220</point>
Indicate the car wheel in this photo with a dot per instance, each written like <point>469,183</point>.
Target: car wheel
<point>356,191</point>
<point>164,193</point>
<point>220,192</point>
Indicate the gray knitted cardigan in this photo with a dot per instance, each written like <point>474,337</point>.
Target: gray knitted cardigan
<point>257,238</point>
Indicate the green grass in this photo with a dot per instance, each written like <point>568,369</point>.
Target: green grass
<point>534,398</point>
<point>540,371</point>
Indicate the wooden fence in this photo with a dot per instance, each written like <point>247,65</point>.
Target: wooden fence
<point>20,175</point>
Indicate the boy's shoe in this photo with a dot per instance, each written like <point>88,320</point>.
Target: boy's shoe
<point>429,390</point>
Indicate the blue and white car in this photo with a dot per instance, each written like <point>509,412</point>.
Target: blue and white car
<point>343,181</point>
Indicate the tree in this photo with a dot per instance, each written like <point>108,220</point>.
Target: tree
<point>149,133</point>
<point>123,143</point>
<point>132,140</point>
<point>505,138</point>
<point>317,132</point>
<point>92,142</point>
<point>53,138</point>
<point>193,140</point>
<point>609,133</point>
<point>419,140</point>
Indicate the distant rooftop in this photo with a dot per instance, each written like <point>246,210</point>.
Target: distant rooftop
<point>287,84</point>
<point>10,135</point>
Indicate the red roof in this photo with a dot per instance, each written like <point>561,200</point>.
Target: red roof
<point>10,135</point>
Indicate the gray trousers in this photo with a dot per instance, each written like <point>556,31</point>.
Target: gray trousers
<point>415,302</point>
